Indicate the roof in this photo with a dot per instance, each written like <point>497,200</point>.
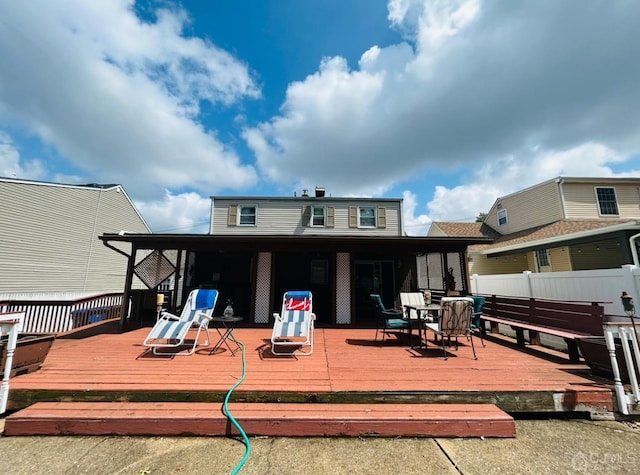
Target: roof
<point>353,199</point>
<point>64,185</point>
<point>474,230</point>
<point>255,243</point>
<point>556,232</point>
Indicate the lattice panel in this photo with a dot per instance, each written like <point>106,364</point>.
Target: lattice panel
<point>154,269</point>
<point>263,288</point>
<point>343,288</point>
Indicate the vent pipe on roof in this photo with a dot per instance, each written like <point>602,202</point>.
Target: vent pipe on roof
<point>305,193</point>
<point>319,192</point>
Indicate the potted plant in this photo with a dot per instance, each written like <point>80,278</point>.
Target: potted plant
<point>450,279</point>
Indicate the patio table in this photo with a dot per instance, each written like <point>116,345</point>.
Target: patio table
<point>423,319</point>
<point>225,331</point>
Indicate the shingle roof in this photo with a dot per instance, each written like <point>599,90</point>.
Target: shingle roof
<point>539,233</point>
<point>452,229</point>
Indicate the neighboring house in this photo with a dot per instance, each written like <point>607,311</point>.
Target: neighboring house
<point>49,236</point>
<point>563,224</point>
<point>342,249</point>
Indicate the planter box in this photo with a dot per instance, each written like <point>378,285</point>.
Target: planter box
<point>596,355</point>
<point>31,351</point>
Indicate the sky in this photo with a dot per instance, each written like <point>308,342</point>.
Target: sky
<point>448,104</point>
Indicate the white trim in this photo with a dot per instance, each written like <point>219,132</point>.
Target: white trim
<point>615,197</point>
<point>562,238</point>
<point>375,217</point>
<point>255,215</point>
<point>324,216</point>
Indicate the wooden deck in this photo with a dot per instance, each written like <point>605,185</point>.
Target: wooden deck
<point>347,367</point>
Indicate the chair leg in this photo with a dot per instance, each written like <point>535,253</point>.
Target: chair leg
<point>475,357</point>
<point>446,355</point>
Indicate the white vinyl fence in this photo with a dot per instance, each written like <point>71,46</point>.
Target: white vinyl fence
<point>601,285</point>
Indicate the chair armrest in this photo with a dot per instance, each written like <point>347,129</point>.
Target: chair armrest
<point>168,316</point>
<point>313,316</point>
<point>204,315</point>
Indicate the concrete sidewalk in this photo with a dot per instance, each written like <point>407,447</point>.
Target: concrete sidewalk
<point>548,446</point>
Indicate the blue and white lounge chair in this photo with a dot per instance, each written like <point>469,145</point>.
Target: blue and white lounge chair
<point>293,327</point>
<point>170,331</point>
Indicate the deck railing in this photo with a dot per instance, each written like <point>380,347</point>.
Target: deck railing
<point>626,332</point>
<point>48,314</point>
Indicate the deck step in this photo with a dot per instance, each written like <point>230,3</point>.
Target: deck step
<point>260,419</point>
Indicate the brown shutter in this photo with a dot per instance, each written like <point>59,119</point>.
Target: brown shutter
<point>382,217</point>
<point>353,217</point>
<point>233,215</point>
<point>306,215</point>
<point>331,211</point>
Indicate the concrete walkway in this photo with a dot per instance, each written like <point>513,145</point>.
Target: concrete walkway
<point>541,447</point>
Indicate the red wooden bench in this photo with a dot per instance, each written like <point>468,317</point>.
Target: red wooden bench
<point>567,320</point>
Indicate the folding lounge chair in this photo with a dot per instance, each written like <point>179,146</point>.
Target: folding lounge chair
<point>293,327</point>
<point>170,331</point>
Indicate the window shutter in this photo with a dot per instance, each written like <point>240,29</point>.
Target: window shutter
<point>233,215</point>
<point>382,217</point>
<point>331,211</point>
<point>306,215</point>
<point>353,217</point>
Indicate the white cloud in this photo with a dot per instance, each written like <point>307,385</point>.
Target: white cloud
<point>510,174</point>
<point>477,83</point>
<point>10,164</point>
<point>119,97</point>
<point>415,224</point>
<point>187,213</point>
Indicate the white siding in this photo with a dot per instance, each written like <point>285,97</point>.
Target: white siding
<point>49,238</point>
<point>284,217</point>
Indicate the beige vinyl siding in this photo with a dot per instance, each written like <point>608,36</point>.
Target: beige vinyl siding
<point>560,259</point>
<point>530,208</point>
<point>49,239</point>
<point>483,265</point>
<point>435,231</point>
<point>286,217</point>
<point>581,201</point>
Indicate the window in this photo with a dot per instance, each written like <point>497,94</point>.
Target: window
<point>607,201</point>
<point>502,217</point>
<point>247,215</point>
<point>317,216</point>
<point>366,217</point>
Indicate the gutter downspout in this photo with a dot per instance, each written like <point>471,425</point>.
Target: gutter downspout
<point>634,249</point>
<point>560,182</point>
<point>126,294</point>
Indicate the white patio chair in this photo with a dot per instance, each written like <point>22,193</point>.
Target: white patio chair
<point>293,328</point>
<point>170,331</point>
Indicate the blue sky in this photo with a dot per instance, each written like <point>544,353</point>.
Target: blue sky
<point>448,104</point>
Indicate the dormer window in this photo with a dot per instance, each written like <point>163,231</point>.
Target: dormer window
<point>502,217</point>
<point>607,203</point>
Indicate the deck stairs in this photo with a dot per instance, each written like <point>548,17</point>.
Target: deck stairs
<point>260,419</point>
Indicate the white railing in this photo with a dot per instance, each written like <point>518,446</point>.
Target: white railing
<point>600,285</point>
<point>626,333</point>
<point>11,325</point>
<point>49,313</point>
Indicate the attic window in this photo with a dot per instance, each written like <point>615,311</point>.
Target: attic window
<point>502,217</point>
<point>607,201</point>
